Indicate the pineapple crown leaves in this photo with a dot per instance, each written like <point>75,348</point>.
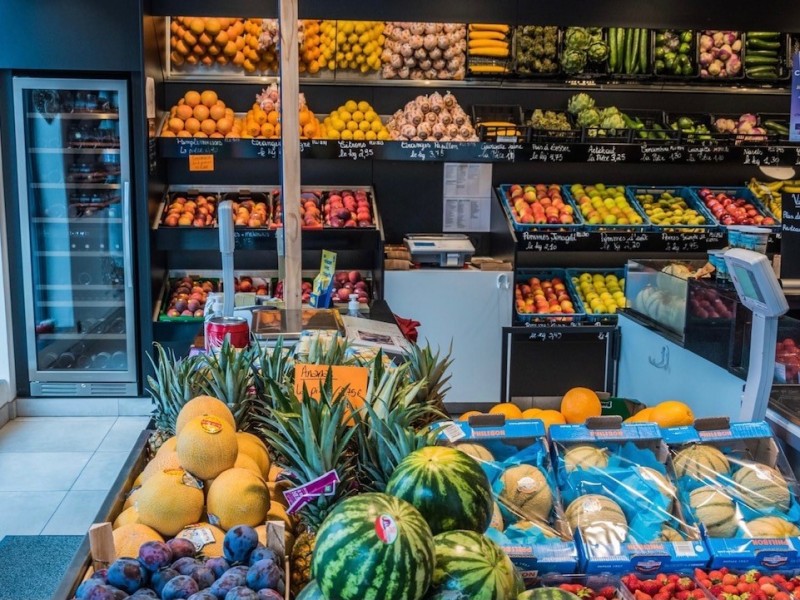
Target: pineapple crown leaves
<point>426,365</point>
<point>228,376</point>
<point>176,382</point>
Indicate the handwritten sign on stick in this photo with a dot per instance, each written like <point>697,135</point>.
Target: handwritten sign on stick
<point>313,377</point>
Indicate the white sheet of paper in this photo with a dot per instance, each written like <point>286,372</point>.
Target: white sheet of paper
<point>467,196</point>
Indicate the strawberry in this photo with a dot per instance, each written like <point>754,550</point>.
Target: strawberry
<point>729,589</point>
<point>661,579</point>
<point>765,579</point>
<point>715,589</point>
<point>640,595</point>
<point>609,593</point>
<point>673,577</point>
<point>716,576</point>
<point>743,587</point>
<point>662,596</point>
<point>683,595</point>
<point>684,583</point>
<point>781,596</point>
<point>729,579</point>
<point>700,574</point>
<point>751,576</point>
<point>670,588</point>
<point>651,587</point>
<point>769,589</point>
<point>584,592</point>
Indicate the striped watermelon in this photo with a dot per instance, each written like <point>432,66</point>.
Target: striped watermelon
<point>373,547</point>
<point>311,592</point>
<point>471,566</point>
<point>548,593</point>
<point>447,486</point>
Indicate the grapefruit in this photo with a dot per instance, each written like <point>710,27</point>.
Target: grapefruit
<point>580,403</point>
<point>509,410</point>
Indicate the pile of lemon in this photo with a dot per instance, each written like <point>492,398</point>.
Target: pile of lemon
<point>355,121</point>
<point>601,294</point>
<point>354,45</point>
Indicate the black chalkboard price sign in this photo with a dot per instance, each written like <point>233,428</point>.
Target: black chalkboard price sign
<point>790,235</point>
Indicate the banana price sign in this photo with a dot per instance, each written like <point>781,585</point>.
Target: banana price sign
<point>312,377</point>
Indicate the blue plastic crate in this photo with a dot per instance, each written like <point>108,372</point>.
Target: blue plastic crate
<point>523,275</point>
<point>739,192</point>
<point>503,191</point>
<point>567,193</point>
<point>692,200</point>
<point>589,316</point>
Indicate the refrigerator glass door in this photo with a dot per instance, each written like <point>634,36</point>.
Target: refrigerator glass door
<point>74,174</point>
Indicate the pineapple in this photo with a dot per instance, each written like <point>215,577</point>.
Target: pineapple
<point>174,384</point>
<point>311,438</point>
<point>227,375</point>
<point>426,366</point>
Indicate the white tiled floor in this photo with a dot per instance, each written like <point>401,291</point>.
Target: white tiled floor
<point>55,472</point>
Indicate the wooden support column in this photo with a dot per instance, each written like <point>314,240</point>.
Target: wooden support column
<point>290,255</point>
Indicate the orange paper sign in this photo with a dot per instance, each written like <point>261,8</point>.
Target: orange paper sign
<point>201,162</point>
<point>313,377</point>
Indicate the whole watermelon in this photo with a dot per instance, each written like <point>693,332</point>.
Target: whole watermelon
<point>447,486</point>
<point>470,565</point>
<point>311,592</point>
<point>373,547</point>
<point>548,593</point>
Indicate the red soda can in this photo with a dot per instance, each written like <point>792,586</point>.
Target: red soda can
<point>235,327</point>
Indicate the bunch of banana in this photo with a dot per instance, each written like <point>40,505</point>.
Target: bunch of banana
<point>769,193</point>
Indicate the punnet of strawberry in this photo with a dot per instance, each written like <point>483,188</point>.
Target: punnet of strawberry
<point>750,585</point>
<point>581,591</point>
<point>663,587</point>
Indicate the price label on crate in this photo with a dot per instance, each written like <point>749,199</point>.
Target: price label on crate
<point>201,162</point>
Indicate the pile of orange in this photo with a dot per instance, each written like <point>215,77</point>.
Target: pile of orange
<point>263,120</point>
<point>670,413</point>
<point>309,47</point>
<point>199,115</point>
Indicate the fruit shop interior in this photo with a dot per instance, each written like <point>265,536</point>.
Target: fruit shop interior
<point>620,155</point>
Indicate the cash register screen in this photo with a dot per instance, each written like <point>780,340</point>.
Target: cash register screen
<point>748,283</point>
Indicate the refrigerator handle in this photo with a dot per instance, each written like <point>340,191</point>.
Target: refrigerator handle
<point>127,250</point>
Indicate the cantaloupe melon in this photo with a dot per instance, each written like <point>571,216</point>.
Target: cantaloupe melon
<point>237,497</point>
<point>534,528</point>
<point>761,487</point>
<point>526,492</point>
<point>203,405</point>
<point>770,527</point>
<point>168,445</point>
<point>128,538</point>
<point>207,446</point>
<point>131,498</point>
<point>277,512</point>
<point>476,451</point>
<point>243,461</point>
<point>669,534</point>
<point>700,462</point>
<point>169,501</point>
<point>162,461</point>
<point>715,510</point>
<point>497,518</point>
<point>274,473</point>
<point>126,517</point>
<point>205,537</point>
<point>255,449</point>
<point>276,489</point>
<point>600,519</point>
<point>585,457</point>
<point>660,481</point>
<point>261,530</point>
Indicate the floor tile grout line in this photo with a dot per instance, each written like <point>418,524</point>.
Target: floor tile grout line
<point>72,485</point>
<point>105,437</point>
<point>53,514</point>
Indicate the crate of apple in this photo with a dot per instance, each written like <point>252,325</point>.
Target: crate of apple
<point>310,210</point>
<point>347,208</point>
<point>606,206</point>
<point>305,291</point>
<point>539,204</point>
<point>664,586</point>
<point>707,303</point>
<point>350,282</point>
<point>543,296</point>
<point>734,207</point>
<point>247,284</point>
<point>250,213</point>
<point>787,354</point>
<point>190,210</point>
<point>186,298</point>
<point>723,584</point>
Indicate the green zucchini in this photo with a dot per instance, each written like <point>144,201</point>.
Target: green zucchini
<point>612,51</point>
<point>762,35</point>
<point>763,45</point>
<point>763,53</point>
<point>763,75</point>
<point>643,43</point>
<point>776,126</point>
<point>635,52</point>
<point>760,60</point>
<point>628,51</point>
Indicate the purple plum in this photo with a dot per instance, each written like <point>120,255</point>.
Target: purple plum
<point>219,565</point>
<point>186,565</point>
<point>127,574</point>
<point>269,595</point>
<point>160,578</point>
<point>239,542</point>
<point>265,574</point>
<point>179,587</point>
<point>261,553</point>
<point>155,555</point>
<point>203,595</point>
<point>203,576</point>
<point>181,547</point>
<point>226,583</point>
<point>241,593</point>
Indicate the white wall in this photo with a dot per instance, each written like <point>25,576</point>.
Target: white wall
<point>7,382</point>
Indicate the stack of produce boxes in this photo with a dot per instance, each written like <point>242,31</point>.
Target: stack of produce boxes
<point>735,481</point>
<point>619,500</point>
<point>528,521</point>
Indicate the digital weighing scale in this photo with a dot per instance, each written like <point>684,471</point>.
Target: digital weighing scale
<point>442,250</point>
<point>760,291</point>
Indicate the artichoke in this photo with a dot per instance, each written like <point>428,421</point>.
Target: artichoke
<point>588,118</point>
<point>577,39</point>
<point>579,103</point>
<point>598,52</point>
<point>613,122</point>
<point>573,61</point>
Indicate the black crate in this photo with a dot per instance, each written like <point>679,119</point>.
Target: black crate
<point>506,113</point>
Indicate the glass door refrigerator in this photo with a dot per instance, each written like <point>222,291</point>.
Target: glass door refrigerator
<point>74,174</point>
